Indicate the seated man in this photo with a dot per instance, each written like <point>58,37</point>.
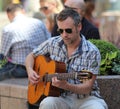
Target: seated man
<point>18,39</point>
<point>78,54</point>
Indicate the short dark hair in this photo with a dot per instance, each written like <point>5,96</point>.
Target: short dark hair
<point>11,8</point>
<point>67,12</point>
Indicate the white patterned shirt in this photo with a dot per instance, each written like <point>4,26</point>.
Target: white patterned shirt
<point>21,36</point>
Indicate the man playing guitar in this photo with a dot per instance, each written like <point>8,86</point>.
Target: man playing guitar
<point>78,54</point>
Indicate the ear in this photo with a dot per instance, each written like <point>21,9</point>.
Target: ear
<point>10,16</point>
<point>79,27</point>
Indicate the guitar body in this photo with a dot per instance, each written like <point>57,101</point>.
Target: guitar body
<point>43,66</point>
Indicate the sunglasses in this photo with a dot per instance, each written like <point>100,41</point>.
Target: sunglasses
<point>67,30</point>
<point>43,8</point>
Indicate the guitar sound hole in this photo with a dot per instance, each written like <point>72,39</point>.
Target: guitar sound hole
<point>35,88</point>
<point>38,70</point>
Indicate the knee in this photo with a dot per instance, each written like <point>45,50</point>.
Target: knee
<point>97,105</point>
<point>94,103</point>
<point>47,103</point>
<point>102,105</point>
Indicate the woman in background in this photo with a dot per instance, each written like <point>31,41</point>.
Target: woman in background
<point>51,8</point>
<point>90,7</point>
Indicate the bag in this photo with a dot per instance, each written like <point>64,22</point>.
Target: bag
<point>11,70</point>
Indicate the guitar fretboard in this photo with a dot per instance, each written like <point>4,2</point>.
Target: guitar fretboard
<point>65,76</point>
<point>61,76</point>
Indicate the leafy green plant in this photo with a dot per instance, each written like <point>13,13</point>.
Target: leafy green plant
<point>106,64</point>
<point>110,57</point>
<point>3,62</point>
<point>116,64</point>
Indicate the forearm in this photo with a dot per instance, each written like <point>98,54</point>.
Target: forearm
<point>83,88</point>
<point>32,75</point>
<point>78,88</point>
<point>29,62</point>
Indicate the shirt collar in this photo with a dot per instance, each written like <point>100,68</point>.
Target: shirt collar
<point>82,47</point>
<point>20,16</point>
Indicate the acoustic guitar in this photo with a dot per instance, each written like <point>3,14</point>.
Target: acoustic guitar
<point>47,68</point>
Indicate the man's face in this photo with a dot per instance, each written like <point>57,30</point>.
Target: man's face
<point>69,32</point>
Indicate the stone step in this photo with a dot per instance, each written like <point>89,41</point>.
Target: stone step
<point>13,94</point>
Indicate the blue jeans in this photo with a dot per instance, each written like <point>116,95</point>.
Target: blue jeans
<point>10,70</point>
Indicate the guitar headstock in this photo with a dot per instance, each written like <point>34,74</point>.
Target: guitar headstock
<point>84,75</point>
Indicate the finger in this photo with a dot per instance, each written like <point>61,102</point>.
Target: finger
<point>36,75</point>
<point>33,79</point>
<point>54,79</point>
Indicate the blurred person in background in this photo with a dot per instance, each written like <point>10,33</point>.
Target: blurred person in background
<point>18,39</point>
<point>90,7</point>
<point>51,22</point>
<point>88,29</point>
<point>40,16</point>
<point>51,8</point>
<point>25,4</point>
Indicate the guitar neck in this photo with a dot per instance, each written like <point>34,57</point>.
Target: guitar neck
<point>65,76</point>
<point>61,76</point>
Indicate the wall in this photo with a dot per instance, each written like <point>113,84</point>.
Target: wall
<point>13,92</point>
<point>110,90</point>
